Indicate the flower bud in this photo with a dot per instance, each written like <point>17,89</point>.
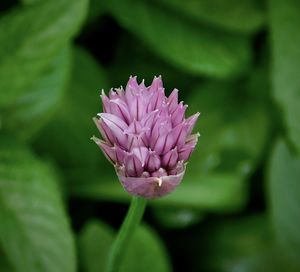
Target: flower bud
<point>146,137</point>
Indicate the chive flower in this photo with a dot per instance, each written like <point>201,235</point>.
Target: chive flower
<point>146,137</point>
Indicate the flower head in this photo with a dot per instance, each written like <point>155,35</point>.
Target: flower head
<point>146,137</point>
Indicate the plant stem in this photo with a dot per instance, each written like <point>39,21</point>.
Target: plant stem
<point>131,221</point>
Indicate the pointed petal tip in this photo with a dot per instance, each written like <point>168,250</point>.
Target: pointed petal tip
<point>197,114</point>
<point>132,79</point>
<point>102,92</point>
<point>95,139</point>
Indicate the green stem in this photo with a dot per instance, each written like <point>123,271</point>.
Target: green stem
<point>131,221</point>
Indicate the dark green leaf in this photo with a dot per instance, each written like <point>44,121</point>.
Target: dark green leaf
<point>34,232</point>
<point>132,58</point>
<point>37,105</point>
<point>29,2</point>
<point>30,37</point>
<point>145,250</point>
<point>94,243</point>
<point>94,12</point>
<point>197,49</point>
<point>242,245</point>
<point>285,36</point>
<point>177,218</point>
<point>4,264</point>
<point>240,16</point>
<point>284,195</point>
<point>67,136</point>
<point>232,137</point>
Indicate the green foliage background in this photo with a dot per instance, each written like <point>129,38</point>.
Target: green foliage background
<point>236,62</point>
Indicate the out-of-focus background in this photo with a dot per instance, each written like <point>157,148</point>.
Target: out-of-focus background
<point>235,61</point>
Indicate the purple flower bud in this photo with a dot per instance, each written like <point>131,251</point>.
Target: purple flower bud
<point>146,137</point>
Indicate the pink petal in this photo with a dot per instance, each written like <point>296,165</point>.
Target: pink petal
<point>117,126</point>
<point>133,165</point>
<point>164,112</point>
<point>180,134</point>
<point>152,187</point>
<point>142,87</point>
<point>113,94</point>
<point>163,143</point>
<point>136,107</point>
<point>169,159</point>
<point>159,173</point>
<point>119,108</point>
<point>131,90</point>
<point>105,131</point>
<point>105,102</point>
<point>156,100</point>
<point>148,120</point>
<point>132,83</point>
<point>180,166</point>
<point>142,153</point>
<point>153,162</point>
<point>134,141</point>
<point>108,150</point>
<point>121,94</point>
<point>120,155</point>
<point>113,121</point>
<point>185,151</point>
<point>178,114</point>
<point>161,127</point>
<point>172,100</point>
<point>191,121</point>
<point>156,84</point>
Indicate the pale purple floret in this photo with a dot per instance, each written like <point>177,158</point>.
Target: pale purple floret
<point>146,137</point>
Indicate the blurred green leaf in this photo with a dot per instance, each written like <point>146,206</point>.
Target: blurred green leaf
<point>285,37</point>
<point>284,196</point>
<point>37,105</point>
<point>240,16</point>
<point>4,264</point>
<point>197,49</point>
<point>67,136</point>
<point>241,245</point>
<point>145,250</point>
<point>34,232</point>
<point>169,217</point>
<point>30,37</point>
<point>132,58</point>
<point>94,243</point>
<point>219,192</point>
<point>29,2</point>
<point>233,245</point>
<point>94,12</point>
<point>234,128</point>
